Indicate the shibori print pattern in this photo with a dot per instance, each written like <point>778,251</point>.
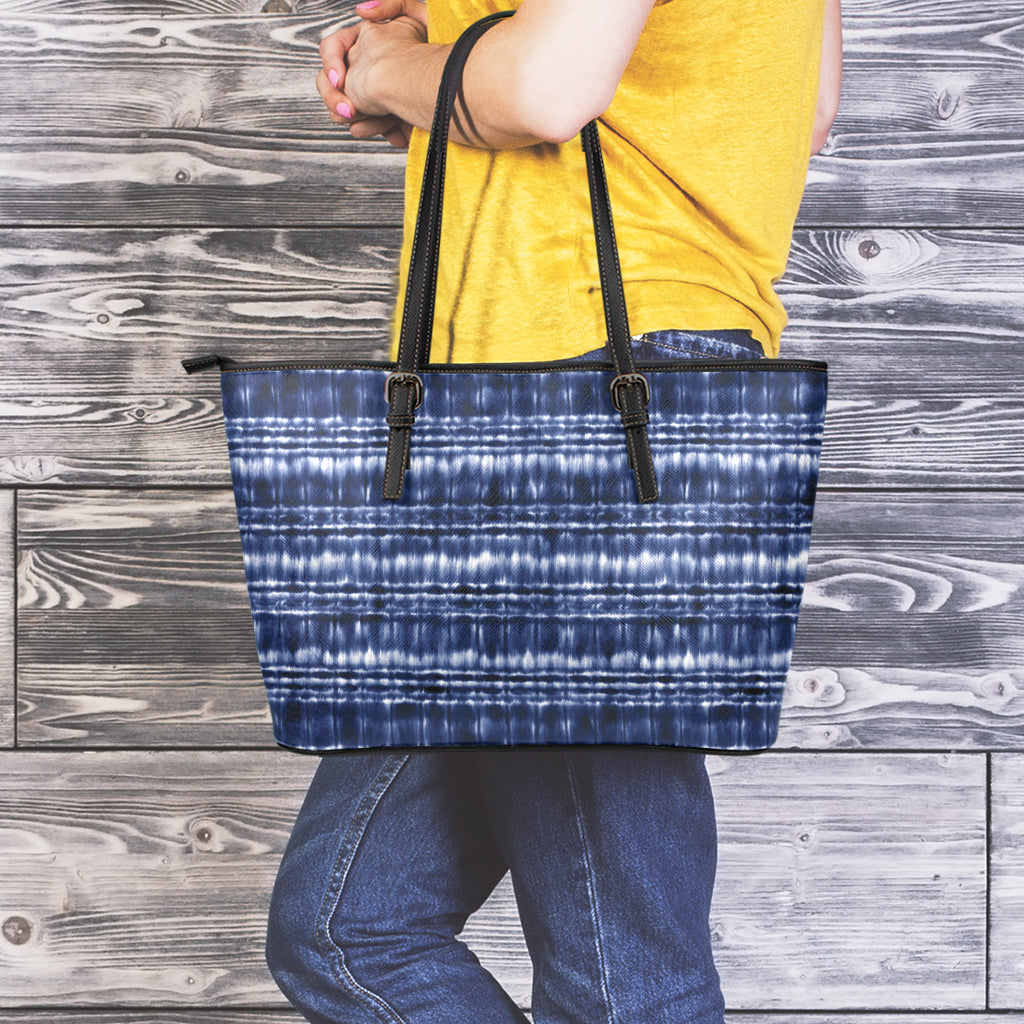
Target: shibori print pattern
<point>519,593</point>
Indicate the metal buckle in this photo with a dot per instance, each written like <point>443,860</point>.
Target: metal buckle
<point>401,377</point>
<point>629,380</point>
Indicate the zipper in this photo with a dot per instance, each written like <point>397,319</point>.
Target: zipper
<point>208,362</point>
<point>199,363</point>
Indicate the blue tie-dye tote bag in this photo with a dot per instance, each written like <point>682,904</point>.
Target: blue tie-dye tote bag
<point>527,553</point>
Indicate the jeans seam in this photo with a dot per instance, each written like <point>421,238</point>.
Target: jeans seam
<point>591,890</point>
<point>339,875</point>
<point>737,350</point>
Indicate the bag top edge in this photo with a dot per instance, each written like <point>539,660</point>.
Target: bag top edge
<point>560,366</point>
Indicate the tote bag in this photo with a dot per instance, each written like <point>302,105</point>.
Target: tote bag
<point>523,553</point>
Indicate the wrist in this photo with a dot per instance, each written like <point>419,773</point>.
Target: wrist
<point>407,79</point>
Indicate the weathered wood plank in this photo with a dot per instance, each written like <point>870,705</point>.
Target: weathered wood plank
<point>7,612</point>
<point>194,178</point>
<point>890,16</point>
<point>888,426</point>
<point>106,313</point>
<point>1006,898</point>
<point>110,315</point>
<point>845,855</point>
<point>210,1015</point>
<point>144,877</point>
<point>222,124</point>
<point>903,83</point>
<point>922,600</point>
<point>216,1015</point>
<point>187,178</point>
<point>97,321</point>
<point>165,8</point>
<point>134,628</point>
<point>118,292</point>
<point>155,631</point>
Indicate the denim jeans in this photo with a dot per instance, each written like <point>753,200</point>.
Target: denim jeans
<point>676,344</point>
<point>611,852</point>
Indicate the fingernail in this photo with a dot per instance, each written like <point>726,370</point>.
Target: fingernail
<point>333,77</point>
<point>344,109</point>
<point>369,5</point>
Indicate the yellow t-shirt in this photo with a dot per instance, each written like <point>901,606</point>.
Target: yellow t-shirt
<point>706,145</point>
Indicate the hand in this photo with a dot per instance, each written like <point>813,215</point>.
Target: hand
<point>350,80</point>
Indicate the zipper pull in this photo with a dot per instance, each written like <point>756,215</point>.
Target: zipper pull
<point>200,363</point>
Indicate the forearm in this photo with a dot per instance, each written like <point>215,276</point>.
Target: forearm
<point>536,77</point>
<point>406,80</point>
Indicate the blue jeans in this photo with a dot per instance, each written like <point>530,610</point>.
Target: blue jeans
<point>688,345</point>
<point>611,850</point>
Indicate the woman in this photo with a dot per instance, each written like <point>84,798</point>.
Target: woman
<point>709,113</point>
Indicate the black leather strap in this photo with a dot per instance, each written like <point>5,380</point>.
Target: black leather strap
<point>630,391</point>
<point>421,286</point>
<point>421,283</point>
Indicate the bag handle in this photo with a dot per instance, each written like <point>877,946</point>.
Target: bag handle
<point>629,389</point>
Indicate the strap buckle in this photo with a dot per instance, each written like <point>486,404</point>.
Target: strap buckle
<point>405,379</point>
<point>626,380</point>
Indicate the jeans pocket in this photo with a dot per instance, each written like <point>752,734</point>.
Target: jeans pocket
<point>678,344</point>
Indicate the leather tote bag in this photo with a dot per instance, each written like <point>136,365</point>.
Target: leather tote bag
<point>523,553</point>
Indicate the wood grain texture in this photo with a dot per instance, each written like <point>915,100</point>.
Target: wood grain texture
<point>213,1015</point>
<point>1006,901</point>
<point>134,626</point>
<point>867,17</point>
<point>218,209</point>
<point>209,117</point>
<point>163,8</point>
<point>798,859</point>
<point>196,178</point>
<point>198,1015</point>
<point>97,322</point>
<point>143,879</point>
<point>921,598</point>
<point>904,83</point>
<point>7,613</point>
<point>155,630</point>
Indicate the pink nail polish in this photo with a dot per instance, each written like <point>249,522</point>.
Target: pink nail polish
<point>333,77</point>
<point>344,109</point>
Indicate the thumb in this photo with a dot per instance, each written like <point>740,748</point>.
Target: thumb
<point>386,10</point>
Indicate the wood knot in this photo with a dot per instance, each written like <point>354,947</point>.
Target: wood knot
<point>946,104</point>
<point>17,930</point>
<point>182,177</point>
<point>277,7</point>
<point>205,836</point>
<point>1000,686</point>
<point>869,249</point>
<point>816,688</point>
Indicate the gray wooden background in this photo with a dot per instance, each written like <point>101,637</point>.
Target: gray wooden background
<point>169,186</point>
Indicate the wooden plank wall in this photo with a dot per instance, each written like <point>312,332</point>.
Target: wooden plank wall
<point>169,186</point>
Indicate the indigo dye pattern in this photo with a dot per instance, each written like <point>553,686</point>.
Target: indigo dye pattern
<point>518,593</point>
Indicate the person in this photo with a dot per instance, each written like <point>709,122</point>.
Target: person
<point>709,112</point>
